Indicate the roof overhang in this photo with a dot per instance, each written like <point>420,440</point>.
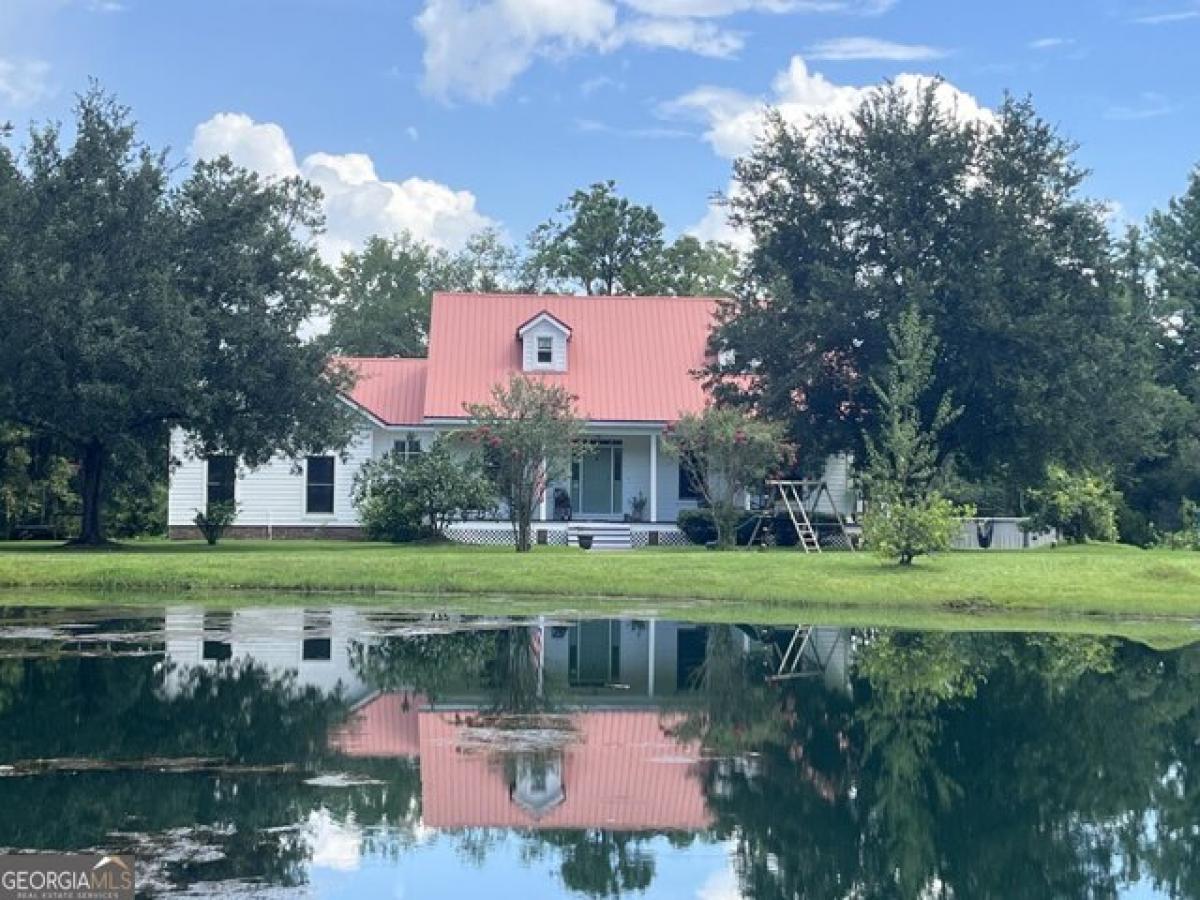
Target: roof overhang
<point>544,317</point>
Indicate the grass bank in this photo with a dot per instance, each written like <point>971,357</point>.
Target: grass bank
<point>1093,580</point>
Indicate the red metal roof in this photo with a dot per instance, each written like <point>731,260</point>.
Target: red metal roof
<point>631,359</point>
<point>623,773</point>
<point>389,388</point>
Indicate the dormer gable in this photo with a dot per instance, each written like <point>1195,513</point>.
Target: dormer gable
<point>544,340</point>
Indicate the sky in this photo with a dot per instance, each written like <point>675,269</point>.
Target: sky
<point>442,117</point>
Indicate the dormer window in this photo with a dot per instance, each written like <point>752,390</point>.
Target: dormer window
<point>544,340</point>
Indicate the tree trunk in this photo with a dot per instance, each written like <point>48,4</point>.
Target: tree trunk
<point>91,525</point>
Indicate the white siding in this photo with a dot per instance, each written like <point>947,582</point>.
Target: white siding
<point>841,487</point>
<point>275,494</point>
<point>559,347</point>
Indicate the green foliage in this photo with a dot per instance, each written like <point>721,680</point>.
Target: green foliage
<point>401,499</point>
<point>982,226</point>
<point>1188,535</point>
<point>137,306</point>
<point>908,517</point>
<point>215,520</point>
<point>726,453</point>
<point>605,244</point>
<point>1082,505</point>
<point>138,507</point>
<point>907,529</point>
<point>528,433</point>
<point>903,455</point>
<point>384,290</point>
<point>35,484</point>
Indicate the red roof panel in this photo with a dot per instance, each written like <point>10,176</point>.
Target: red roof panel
<point>631,359</point>
<point>389,388</point>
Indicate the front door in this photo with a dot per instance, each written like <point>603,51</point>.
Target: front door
<point>596,481</point>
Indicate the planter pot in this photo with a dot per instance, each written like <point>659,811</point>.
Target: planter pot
<point>585,541</point>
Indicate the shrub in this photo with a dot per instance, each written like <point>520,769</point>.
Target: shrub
<point>725,453</point>
<point>404,499</point>
<point>905,529</point>
<point>212,524</point>
<point>699,527</point>
<point>1081,505</point>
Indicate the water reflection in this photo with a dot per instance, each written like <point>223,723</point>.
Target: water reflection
<point>342,752</point>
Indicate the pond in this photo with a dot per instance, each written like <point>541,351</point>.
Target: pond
<point>343,752</point>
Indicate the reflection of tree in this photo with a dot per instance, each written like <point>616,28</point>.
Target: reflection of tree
<point>431,663</point>
<point>603,863</point>
<point>134,708</point>
<point>516,673</point>
<point>737,709</point>
<point>997,766</point>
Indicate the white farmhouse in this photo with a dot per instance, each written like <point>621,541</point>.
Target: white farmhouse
<point>631,362</point>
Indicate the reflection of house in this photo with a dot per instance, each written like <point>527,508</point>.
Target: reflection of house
<point>618,769</point>
<point>314,643</point>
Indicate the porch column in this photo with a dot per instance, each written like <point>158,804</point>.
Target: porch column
<point>654,476</point>
<point>545,490</point>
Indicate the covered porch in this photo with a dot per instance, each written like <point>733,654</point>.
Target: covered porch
<point>625,491</point>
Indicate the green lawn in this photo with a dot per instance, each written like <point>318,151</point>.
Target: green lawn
<point>1068,580</point>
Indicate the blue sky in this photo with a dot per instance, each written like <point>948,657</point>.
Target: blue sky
<point>442,116</point>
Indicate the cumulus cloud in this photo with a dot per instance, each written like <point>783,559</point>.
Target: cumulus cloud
<point>23,82</point>
<point>475,49</point>
<point>357,202</point>
<point>852,48</point>
<point>734,120</point>
<point>713,8</point>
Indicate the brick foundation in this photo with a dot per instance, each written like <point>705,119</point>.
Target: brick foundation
<point>278,532</point>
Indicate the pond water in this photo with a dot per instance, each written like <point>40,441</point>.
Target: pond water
<point>342,752</point>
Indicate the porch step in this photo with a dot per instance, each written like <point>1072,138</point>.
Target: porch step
<point>605,535</point>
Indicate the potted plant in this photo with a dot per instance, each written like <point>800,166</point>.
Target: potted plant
<point>637,507</point>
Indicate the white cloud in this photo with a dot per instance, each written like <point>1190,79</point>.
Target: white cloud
<point>1168,18</point>
<point>716,8</point>
<point>1050,43</point>
<point>358,203</point>
<point>23,82</point>
<point>735,120</point>
<point>1149,105</point>
<point>475,49</point>
<point>849,48</point>
<point>688,35</point>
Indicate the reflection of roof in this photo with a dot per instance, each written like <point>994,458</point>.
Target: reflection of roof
<point>621,771</point>
<point>385,725</point>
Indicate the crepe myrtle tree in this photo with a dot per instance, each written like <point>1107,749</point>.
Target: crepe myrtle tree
<point>725,453</point>
<point>529,433</point>
<point>132,305</point>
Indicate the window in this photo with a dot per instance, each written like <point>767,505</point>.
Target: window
<point>545,351</point>
<point>407,447</point>
<point>688,489</point>
<point>319,484</point>
<point>222,476</point>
